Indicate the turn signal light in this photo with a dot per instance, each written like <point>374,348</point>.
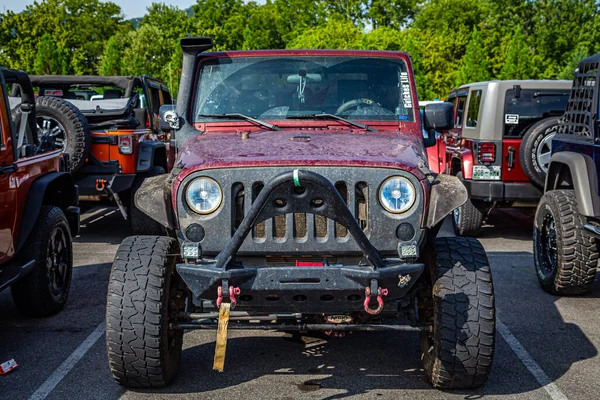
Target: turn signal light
<point>487,152</point>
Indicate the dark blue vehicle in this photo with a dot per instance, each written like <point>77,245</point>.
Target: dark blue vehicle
<point>567,222</point>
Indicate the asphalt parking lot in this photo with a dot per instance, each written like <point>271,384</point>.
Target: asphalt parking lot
<point>547,347</point>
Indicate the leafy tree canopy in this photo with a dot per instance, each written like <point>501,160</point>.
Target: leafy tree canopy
<point>450,41</point>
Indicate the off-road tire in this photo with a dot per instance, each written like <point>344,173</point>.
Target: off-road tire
<point>470,217</point>
<point>142,224</point>
<point>458,353</point>
<point>528,154</point>
<point>33,295</point>
<point>469,220</point>
<point>142,350</point>
<point>77,129</point>
<point>574,267</point>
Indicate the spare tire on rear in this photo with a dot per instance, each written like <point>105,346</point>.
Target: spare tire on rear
<point>62,120</point>
<point>536,149</point>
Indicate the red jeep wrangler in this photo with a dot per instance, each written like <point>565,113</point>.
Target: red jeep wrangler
<point>38,209</point>
<point>302,198</point>
<point>118,145</point>
<point>500,145</point>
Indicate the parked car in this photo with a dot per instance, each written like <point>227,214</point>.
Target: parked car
<point>302,198</point>
<point>500,145</point>
<point>119,146</point>
<point>38,209</point>
<point>567,223</point>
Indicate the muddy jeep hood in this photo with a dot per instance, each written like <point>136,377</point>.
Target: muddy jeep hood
<point>386,149</point>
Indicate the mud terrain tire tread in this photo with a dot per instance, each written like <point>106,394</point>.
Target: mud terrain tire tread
<point>137,337</point>
<point>528,156</point>
<point>578,251</point>
<point>464,328</point>
<point>31,294</point>
<point>142,224</point>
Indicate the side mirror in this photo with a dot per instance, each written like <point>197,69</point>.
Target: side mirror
<point>438,117</point>
<point>169,120</point>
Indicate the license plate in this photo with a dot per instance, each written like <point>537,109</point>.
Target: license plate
<point>484,172</point>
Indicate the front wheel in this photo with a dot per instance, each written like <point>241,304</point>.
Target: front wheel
<point>144,350</point>
<point>458,351</point>
<point>44,291</point>
<point>564,253</point>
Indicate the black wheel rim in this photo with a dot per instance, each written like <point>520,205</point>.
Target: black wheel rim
<point>48,126</point>
<point>57,262</point>
<point>548,244</point>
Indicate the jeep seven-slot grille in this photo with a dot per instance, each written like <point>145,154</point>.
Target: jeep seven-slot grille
<point>300,226</point>
<point>297,234</point>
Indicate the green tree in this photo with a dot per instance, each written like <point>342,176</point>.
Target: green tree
<point>335,34</point>
<point>80,27</point>
<point>383,38</point>
<point>147,52</point>
<point>296,16</point>
<point>261,31</point>
<point>474,65</point>
<point>518,62</point>
<point>573,60</point>
<point>112,59</point>
<point>50,59</point>
<point>390,13</point>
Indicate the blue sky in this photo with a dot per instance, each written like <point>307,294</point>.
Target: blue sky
<point>131,9</point>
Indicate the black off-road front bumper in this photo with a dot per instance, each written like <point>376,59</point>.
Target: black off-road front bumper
<point>311,289</point>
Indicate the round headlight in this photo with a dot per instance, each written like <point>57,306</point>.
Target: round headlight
<point>203,195</point>
<point>397,194</point>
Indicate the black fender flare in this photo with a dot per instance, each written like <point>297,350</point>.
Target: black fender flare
<point>153,198</point>
<point>56,189</point>
<point>151,153</point>
<point>584,178</point>
<point>447,194</point>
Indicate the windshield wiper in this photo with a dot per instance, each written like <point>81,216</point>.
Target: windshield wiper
<point>244,117</point>
<point>332,116</point>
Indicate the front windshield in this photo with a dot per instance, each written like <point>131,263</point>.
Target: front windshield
<point>358,88</point>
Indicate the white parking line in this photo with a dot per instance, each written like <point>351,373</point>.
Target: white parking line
<point>533,367</point>
<point>62,371</point>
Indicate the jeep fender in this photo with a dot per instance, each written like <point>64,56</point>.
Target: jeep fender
<point>151,153</point>
<point>447,194</point>
<point>153,198</point>
<point>584,178</point>
<point>56,189</point>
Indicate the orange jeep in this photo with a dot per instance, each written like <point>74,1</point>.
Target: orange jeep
<point>118,146</point>
<point>38,208</point>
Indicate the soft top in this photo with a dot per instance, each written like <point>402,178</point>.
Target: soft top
<point>122,82</point>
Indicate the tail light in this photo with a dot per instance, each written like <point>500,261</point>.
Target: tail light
<point>487,152</point>
<point>126,144</point>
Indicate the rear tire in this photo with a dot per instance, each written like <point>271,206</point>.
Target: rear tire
<point>45,290</point>
<point>142,224</point>
<point>536,149</point>
<point>143,351</point>
<point>459,351</point>
<point>67,123</point>
<point>467,219</point>
<point>565,254</point>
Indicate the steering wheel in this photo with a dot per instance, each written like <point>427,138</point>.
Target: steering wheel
<point>356,103</point>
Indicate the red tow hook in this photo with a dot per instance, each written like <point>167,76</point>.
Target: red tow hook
<point>100,184</point>
<point>380,293</point>
<point>233,291</point>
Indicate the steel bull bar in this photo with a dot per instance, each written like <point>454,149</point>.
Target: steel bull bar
<point>314,289</point>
